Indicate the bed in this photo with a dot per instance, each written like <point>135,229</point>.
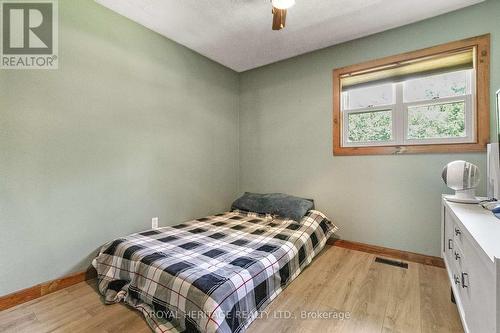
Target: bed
<point>212,274</point>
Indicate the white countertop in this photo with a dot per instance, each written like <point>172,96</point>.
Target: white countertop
<point>481,224</point>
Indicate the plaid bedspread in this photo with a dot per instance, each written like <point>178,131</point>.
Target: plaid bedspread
<point>212,274</point>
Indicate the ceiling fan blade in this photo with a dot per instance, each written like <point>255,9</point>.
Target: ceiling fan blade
<point>279,18</point>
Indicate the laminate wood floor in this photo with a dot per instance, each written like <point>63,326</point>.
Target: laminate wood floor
<point>342,291</point>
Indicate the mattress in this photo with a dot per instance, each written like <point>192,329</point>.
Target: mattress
<point>212,274</point>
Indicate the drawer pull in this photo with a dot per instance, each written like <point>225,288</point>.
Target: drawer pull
<point>465,275</point>
<point>457,232</point>
<point>457,256</point>
<point>450,244</point>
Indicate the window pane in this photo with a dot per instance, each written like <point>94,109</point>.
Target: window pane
<point>369,96</point>
<point>370,126</point>
<point>436,86</point>
<point>446,120</point>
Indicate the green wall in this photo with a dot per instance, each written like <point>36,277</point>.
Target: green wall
<point>285,138</point>
<point>130,127</point>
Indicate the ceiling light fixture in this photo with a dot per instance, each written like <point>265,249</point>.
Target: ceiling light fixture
<point>283,4</point>
<point>279,12</point>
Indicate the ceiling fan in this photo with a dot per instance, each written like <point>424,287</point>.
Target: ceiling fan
<point>279,12</point>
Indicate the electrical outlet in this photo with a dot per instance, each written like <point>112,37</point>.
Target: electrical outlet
<point>154,223</point>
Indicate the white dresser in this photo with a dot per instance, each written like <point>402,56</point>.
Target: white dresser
<point>471,251</point>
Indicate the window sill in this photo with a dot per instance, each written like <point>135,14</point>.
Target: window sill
<point>413,149</point>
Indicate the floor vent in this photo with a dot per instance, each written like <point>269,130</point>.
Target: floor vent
<point>392,262</point>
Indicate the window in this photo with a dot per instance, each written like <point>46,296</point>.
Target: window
<point>430,109</point>
<point>432,100</point>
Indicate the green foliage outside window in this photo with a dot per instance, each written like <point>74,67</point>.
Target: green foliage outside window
<point>446,120</point>
<point>370,126</point>
<point>437,121</point>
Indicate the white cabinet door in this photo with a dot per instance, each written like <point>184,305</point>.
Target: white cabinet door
<point>477,287</point>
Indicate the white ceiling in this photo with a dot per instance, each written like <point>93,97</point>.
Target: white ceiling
<point>237,33</point>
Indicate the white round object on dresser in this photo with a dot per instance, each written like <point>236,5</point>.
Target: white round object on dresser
<point>463,177</point>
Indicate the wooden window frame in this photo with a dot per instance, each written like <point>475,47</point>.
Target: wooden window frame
<point>482,101</point>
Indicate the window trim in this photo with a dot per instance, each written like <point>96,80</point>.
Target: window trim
<point>479,98</point>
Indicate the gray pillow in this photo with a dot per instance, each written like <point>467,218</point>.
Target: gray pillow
<point>280,204</point>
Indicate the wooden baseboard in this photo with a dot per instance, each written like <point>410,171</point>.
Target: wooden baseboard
<point>386,252</point>
<point>43,289</point>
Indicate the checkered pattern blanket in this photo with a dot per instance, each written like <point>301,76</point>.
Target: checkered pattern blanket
<point>212,274</point>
